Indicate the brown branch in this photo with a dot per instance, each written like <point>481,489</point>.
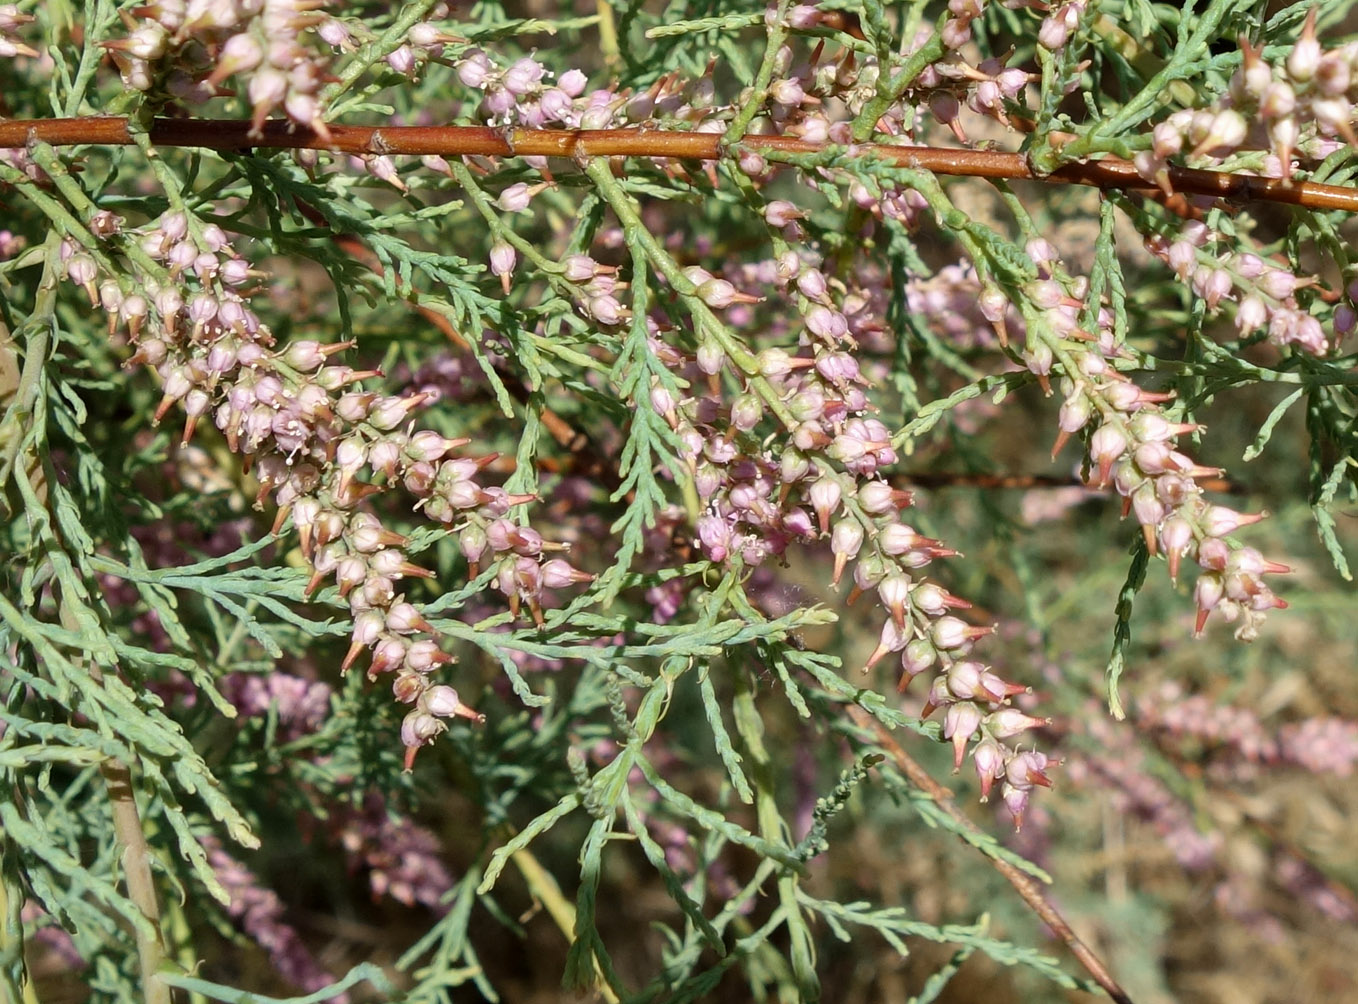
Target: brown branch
<point>1109,172</point>
<point>1023,884</point>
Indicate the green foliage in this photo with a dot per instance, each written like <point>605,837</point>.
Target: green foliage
<point>703,759</point>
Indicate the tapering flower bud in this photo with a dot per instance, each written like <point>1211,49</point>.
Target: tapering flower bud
<point>1009,722</point>
<point>825,495</point>
<point>503,258</point>
<point>845,541</point>
<point>988,758</point>
<point>960,723</point>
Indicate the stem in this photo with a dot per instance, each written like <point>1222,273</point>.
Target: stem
<point>215,134</point>
<point>136,860</point>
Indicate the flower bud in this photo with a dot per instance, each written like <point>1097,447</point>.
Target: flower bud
<point>917,657</point>
<point>1009,722</point>
<point>717,293</point>
<point>1106,446</point>
<point>893,639</point>
<point>811,283</point>
<point>824,496</point>
<point>420,727</point>
<point>1304,59</point>
<point>557,574</point>
<point>780,212</point>
<point>960,723</point>
<point>502,260</point>
<point>1176,536</point>
<point>950,633</point>
<point>710,357</point>
<point>442,701</point>
<point>746,411</point>
<point>1026,769</point>
<point>988,758</point>
<point>1218,521</point>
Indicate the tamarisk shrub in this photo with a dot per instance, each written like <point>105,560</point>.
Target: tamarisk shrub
<point>599,404</point>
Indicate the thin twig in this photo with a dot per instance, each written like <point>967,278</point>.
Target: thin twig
<point>1022,883</point>
<point>218,134</point>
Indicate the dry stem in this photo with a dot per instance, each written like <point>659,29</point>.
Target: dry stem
<point>216,134</point>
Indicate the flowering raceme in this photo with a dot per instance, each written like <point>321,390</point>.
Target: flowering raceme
<point>312,435</point>
<point>1132,449</point>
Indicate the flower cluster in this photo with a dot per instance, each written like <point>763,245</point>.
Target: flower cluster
<point>821,478</point>
<point>402,857</point>
<point>526,94</point>
<point>1060,24</point>
<point>801,97</point>
<point>1264,293</point>
<point>300,704</point>
<point>1303,106</point>
<point>189,48</point>
<point>595,289</point>
<point>1133,446</point>
<point>402,861</point>
<point>1319,745</point>
<point>523,95</point>
<point>1116,764</point>
<point>321,446</point>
